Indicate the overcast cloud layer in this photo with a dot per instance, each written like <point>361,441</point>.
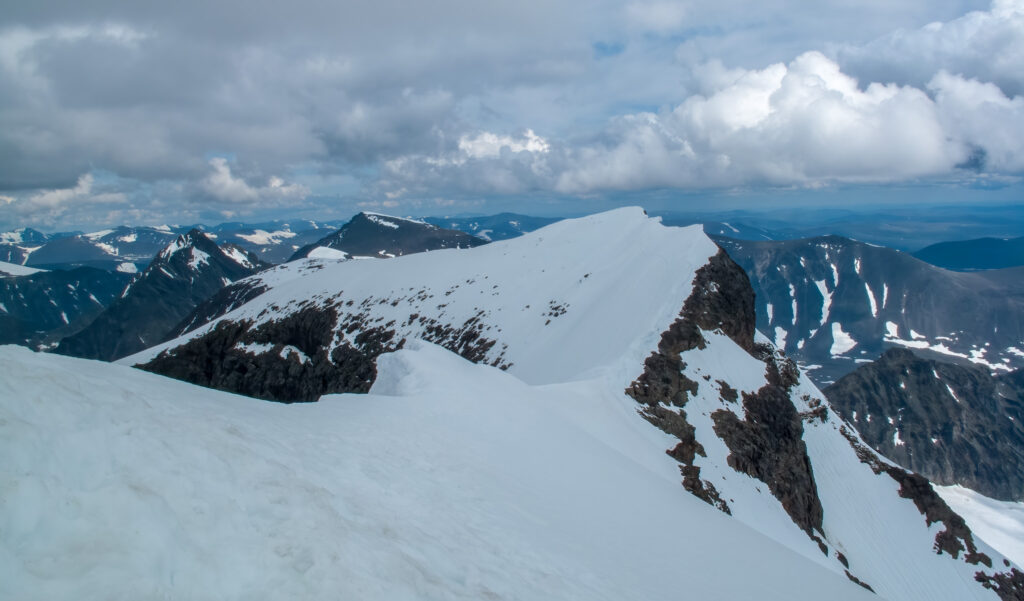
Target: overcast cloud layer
<point>125,112</point>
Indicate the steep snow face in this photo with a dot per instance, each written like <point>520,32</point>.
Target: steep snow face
<point>449,481</point>
<point>577,296</point>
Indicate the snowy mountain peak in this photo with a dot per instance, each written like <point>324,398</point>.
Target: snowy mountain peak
<point>375,235</point>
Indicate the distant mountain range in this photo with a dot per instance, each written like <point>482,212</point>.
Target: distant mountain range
<point>39,309</point>
<point>972,255</point>
<point>832,303</point>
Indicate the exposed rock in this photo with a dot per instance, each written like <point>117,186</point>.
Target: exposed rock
<point>1008,585</point>
<point>768,445</point>
<point>953,424</point>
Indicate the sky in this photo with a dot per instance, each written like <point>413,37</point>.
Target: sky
<point>188,111</point>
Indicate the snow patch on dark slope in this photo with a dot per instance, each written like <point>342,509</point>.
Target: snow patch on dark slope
<point>954,424</point>
<point>576,309</point>
<point>375,235</point>
<point>187,271</point>
<point>831,303</point>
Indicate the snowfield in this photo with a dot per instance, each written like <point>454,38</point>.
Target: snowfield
<point>449,481</point>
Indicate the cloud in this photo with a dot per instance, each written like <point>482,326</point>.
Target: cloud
<point>490,145</point>
<point>660,17</point>
<point>805,123</point>
<point>224,187</point>
<point>985,45</point>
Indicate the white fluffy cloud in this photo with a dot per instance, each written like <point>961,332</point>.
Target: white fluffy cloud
<point>805,122</point>
<point>986,45</point>
<point>225,187</point>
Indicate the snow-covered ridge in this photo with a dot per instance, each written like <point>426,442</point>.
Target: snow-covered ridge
<point>558,303</point>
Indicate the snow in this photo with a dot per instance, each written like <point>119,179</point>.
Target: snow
<point>770,310</point>
<point>780,337</point>
<point>389,220</point>
<point>885,295</point>
<point>871,300</point>
<point>826,300</point>
<point>132,237</point>
<point>13,269</point>
<point>998,523</point>
<point>237,256</point>
<point>323,252</point>
<point>951,393</point>
<point>107,248</point>
<point>255,348</point>
<point>856,265</point>
<point>568,373</point>
<point>841,341</point>
<point>127,268</point>
<point>122,484</point>
<point>792,295</point>
<point>198,258</point>
<point>835,275</point>
<point>640,273</point>
<point>264,237</point>
<point>94,236</point>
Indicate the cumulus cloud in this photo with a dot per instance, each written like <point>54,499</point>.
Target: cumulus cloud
<point>805,123</point>
<point>223,186</point>
<point>986,45</point>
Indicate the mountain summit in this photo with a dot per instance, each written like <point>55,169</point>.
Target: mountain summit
<point>376,235</point>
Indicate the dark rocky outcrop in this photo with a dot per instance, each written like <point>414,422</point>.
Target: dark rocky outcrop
<point>768,444</point>
<point>339,341</point>
<point>224,358</point>
<point>954,424</point>
<point>1008,585</point>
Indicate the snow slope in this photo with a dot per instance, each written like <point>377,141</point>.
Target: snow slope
<point>449,481</point>
<point>1000,523</point>
<point>576,309</point>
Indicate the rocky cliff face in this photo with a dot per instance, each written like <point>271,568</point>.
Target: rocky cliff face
<point>767,443</point>
<point>954,424</point>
